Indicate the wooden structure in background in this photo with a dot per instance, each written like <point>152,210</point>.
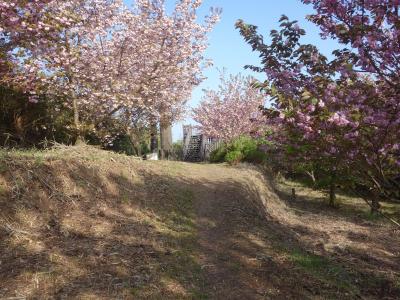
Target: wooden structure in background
<point>197,146</point>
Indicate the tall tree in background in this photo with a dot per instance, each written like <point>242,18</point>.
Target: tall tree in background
<point>232,110</point>
<point>161,58</point>
<point>59,60</point>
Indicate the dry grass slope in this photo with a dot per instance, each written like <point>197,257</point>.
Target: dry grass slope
<point>81,223</point>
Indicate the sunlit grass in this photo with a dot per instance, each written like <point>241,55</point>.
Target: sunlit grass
<point>346,204</point>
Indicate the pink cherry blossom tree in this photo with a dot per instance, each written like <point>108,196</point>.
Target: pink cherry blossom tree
<point>369,27</point>
<point>157,59</point>
<point>231,111</point>
<point>370,32</point>
<point>25,27</point>
<point>108,61</point>
<point>326,114</point>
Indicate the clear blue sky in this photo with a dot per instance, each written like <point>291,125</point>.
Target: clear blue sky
<point>227,48</point>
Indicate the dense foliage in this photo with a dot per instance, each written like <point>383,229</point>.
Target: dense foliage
<point>340,117</point>
<point>240,149</point>
<point>113,66</point>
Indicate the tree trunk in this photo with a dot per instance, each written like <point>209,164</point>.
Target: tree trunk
<point>332,194</point>
<point>312,176</point>
<point>79,138</point>
<point>153,137</point>
<point>134,141</point>
<point>19,130</point>
<point>293,194</point>
<point>138,148</point>
<point>332,190</point>
<point>166,139</point>
<point>375,205</point>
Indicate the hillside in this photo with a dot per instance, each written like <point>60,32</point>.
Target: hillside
<point>81,223</point>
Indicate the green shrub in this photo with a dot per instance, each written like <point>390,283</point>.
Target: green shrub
<point>240,149</point>
<point>123,144</point>
<point>177,150</point>
<point>249,148</point>
<point>234,157</point>
<point>244,144</point>
<point>256,157</point>
<point>218,155</point>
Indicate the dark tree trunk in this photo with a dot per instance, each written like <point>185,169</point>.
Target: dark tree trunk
<point>134,142</point>
<point>293,194</point>
<point>153,137</point>
<point>332,194</point>
<point>332,190</point>
<point>375,205</point>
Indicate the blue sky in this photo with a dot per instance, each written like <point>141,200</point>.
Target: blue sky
<point>228,50</point>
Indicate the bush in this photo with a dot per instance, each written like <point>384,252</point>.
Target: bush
<point>234,157</point>
<point>122,144</point>
<point>218,155</point>
<point>24,124</point>
<point>256,157</point>
<point>241,149</point>
<point>177,150</point>
<point>144,148</point>
<point>244,144</point>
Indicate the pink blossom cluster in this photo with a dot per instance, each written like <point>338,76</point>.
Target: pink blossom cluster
<point>370,101</point>
<point>369,27</point>
<point>231,111</point>
<point>342,114</point>
<point>103,58</point>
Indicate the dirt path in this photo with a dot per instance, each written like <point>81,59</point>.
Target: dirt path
<point>95,225</point>
<point>250,253</point>
<point>236,250</point>
<point>223,247</point>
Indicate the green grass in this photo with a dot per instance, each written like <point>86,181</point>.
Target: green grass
<point>125,198</point>
<point>368,216</point>
<point>182,266</point>
<point>81,183</point>
<point>347,205</point>
<point>39,160</point>
<point>323,269</point>
<point>3,190</point>
<point>198,295</point>
<point>31,152</point>
<point>3,167</point>
<point>397,282</point>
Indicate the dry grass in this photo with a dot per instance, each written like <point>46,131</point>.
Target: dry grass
<point>81,223</point>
